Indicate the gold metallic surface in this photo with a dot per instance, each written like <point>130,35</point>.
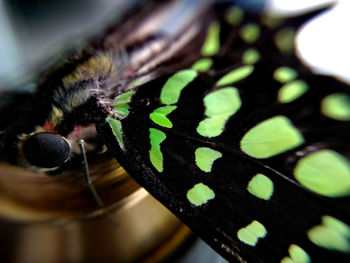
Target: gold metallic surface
<point>47,219</point>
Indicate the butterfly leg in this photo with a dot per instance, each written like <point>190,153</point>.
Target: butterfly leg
<point>88,181</point>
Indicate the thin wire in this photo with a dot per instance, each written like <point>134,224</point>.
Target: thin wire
<point>87,175</point>
<point>88,181</point>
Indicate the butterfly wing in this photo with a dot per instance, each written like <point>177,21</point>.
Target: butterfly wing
<point>244,144</point>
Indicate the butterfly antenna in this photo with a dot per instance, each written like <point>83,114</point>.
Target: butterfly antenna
<point>88,181</point>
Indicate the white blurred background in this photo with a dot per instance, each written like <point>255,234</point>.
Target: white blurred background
<point>324,43</point>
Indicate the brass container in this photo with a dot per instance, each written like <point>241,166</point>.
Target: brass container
<point>48,219</point>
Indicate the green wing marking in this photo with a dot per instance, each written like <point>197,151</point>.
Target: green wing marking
<point>332,234</point>
<point>235,75</point>
<point>250,56</point>
<point>212,43</point>
<point>159,116</point>
<point>250,33</point>
<point>155,153</point>
<point>220,106</point>
<point>203,64</point>
<point>291,91</point>
<point>297,254</point>
<point>121,104</point>
<point>325,172</point>
<point>284,74</point>
<point>200,194</point>
<point>261,186</point>
<point>205,157</point>
<point>251,233</point>
<point>336,106</point>
<point>116,127</point>
<point>271,137</point>
<point>175,84</point>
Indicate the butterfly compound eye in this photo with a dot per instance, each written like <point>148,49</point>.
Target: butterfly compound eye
<point>46,150</point>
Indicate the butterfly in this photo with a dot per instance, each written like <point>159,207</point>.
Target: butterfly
<point>217,118</point>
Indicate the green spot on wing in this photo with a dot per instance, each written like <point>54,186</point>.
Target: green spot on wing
<point>261,186</point>
<point>155,154</point>
<point>297,255</point>
<point>251,56</point>
<point>200,194</point>
<point>271,137</point>
<point>202,65</point>
<point>272,21</point>
<point>332,234</point>
<point>284,74</point>
<point>212,42</point>
<point>117,130</point>
<point>250,33</point>
<point>171,90</point>
<point>124,97</point>
<point>291,91</point>
<point>159,116</point>
<point>325,172</point>
<point>234,16</point>
<point>284,40</point>
<point>224,101</point>
<point>251,233</point>
<point>121,104</point>
<point>213,126</point>
<point>205,157</point>
<point>336,225</point>
<point>220,105</point>
<point>336,106</point>
<point>235,75</point>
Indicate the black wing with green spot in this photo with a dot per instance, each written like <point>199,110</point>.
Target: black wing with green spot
<point>246,145</point>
